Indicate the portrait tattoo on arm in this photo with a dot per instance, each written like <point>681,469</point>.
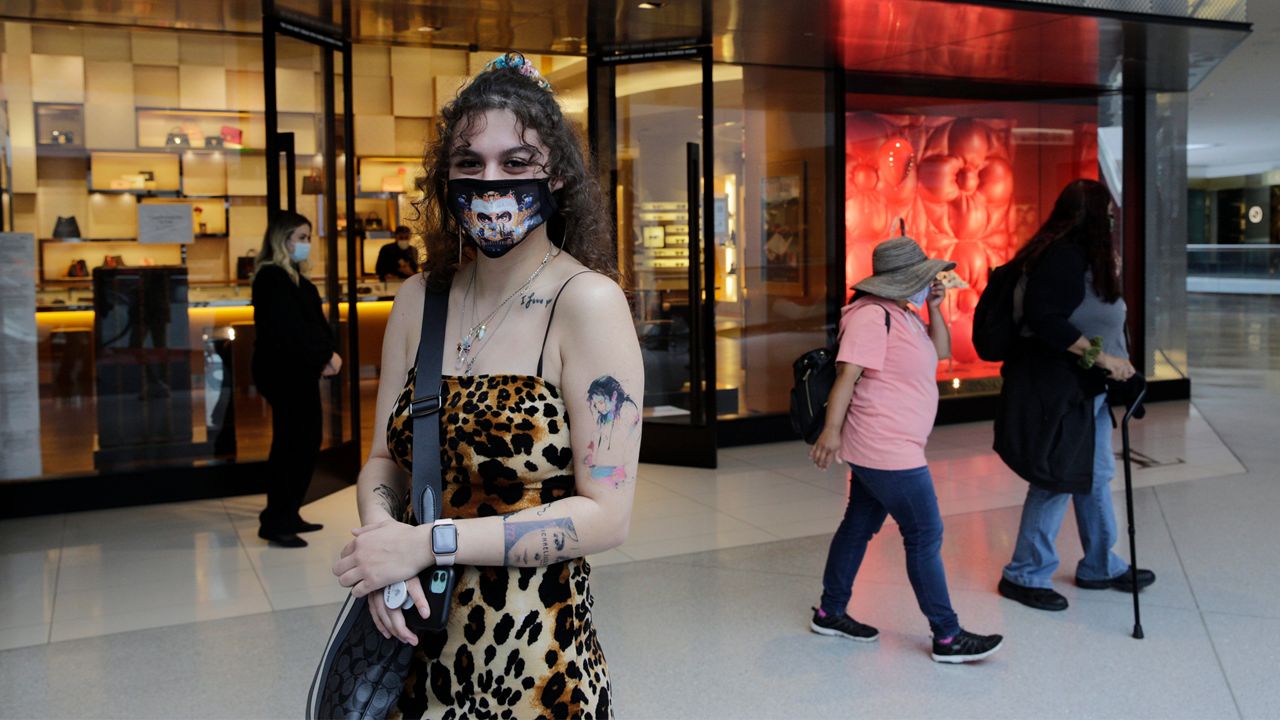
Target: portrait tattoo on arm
<point>391,500</point>
<point>540,542</point>
<point>616,432</point>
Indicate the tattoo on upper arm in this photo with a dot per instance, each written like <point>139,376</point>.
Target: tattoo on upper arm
<point>540,542</point>
<point>393,501</point>
<point>616,433</point>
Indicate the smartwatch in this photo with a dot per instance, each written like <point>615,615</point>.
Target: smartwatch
<point>444,541</point>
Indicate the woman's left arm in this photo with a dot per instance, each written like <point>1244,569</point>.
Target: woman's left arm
<point>938,330</point>
<point>602,382</point>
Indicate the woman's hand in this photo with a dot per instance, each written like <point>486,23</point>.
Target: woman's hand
<point>390,621</point>
<point>1117,368</point>
<point>333,367</point>
<point>381,554</point>
<point>937,293</point>
<point>825,449</point>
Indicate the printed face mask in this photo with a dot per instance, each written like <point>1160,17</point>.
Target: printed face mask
<point>498,214</point>
<point>919,298</point>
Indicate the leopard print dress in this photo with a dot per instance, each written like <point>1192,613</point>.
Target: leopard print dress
<point>520,641</point>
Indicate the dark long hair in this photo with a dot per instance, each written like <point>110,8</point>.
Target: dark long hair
<point>1080,216</point>
<point>587,230</point>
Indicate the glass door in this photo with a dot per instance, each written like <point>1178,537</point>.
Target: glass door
<point>659,110</point>
<point>307,62</point>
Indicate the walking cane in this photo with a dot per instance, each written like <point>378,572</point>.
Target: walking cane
<point>1128,499</point>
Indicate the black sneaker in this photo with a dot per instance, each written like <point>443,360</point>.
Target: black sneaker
<point>966,647</point>
<point>1122,582</point>
<point>842,626</point>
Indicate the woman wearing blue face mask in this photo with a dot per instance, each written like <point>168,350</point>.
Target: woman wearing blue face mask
<point>293,348</point>
<point>540,427</point>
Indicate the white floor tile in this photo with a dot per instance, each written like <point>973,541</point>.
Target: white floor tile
<point>190,592</point>
<point>695,543</point>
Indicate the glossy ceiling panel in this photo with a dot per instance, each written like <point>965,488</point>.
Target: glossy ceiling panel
<point>913,38</point>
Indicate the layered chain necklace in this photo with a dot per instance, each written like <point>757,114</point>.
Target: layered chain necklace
<point>472,340</point>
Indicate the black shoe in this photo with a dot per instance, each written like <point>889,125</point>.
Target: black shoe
<point>1038,598</point>
<point>842,626</point>
<point>1122,582</point>
<point>302,526</point>
<point>966,647</point>
<point>282,539</point>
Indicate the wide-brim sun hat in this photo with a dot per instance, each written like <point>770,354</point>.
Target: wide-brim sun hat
<point>900,269</point>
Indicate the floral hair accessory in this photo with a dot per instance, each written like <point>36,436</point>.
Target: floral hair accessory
<point>520,64</point>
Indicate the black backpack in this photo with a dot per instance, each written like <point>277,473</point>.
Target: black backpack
<point>815,375</point>
<point>995,329</point>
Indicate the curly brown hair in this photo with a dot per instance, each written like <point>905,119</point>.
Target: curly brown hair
<point>587,230</point>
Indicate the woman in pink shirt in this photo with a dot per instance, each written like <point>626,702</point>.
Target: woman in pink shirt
<point>879,415</point>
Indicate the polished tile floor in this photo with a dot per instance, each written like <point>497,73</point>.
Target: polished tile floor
<point>179,610</point>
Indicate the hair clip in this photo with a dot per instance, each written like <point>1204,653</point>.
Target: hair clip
<point>518,62</point>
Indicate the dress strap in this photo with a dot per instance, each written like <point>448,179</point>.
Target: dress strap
<point>551,316</point>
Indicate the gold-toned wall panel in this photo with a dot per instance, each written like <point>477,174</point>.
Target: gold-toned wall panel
<point>108,126</point>
<point>371,61</point>
<point>296,90</point>
<point>412,135</point>
<point>204,173</point>
<point>154,48</point>
<point>57,78</point>
<point>446,89</point>
<point>413,96</point>
<point>244,90</point>
<point>57,40</point>
<point>371,95</point>
<point>200,49</point>
<point>202,87</point>
<point>113,216</point>
<point>108,46</point>
<point>375,135</point>
<point>246,174</point>
<point>155,86</point>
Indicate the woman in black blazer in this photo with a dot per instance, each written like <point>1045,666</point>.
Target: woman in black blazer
<point>293,348</point>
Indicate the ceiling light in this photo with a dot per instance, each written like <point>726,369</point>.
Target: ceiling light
<point>429,29</point>
<point>650,5</point>
<point>1201,146</point>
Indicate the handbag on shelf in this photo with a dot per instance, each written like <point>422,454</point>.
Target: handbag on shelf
<point>66,228</point>
<point>213,141</point>
<point>312,185</point>
<point>113,261</point>
<point>244,266</point>
<point>232,135</point>
<point>361,672</point>
<point>373,221</point>
<point>177,137</point>
<point>78,269</point>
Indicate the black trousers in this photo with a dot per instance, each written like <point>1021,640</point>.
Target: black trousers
<point>296,428</point>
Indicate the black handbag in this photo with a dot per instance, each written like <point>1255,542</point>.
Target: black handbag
<point>66,227</point>
<point>361,672</point>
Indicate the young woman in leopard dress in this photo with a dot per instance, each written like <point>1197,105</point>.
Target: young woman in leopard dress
<point>537,330</point>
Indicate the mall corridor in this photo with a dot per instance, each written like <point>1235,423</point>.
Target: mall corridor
<point>181,611</point>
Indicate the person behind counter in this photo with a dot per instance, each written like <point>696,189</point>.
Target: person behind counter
<point>397,260</point>
<point>293,348</point>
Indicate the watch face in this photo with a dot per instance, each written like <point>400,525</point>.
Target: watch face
<point>444,539</point>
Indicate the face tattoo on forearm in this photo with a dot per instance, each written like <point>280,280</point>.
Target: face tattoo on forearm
<point>540,542</point>
<point>393,502</point>
<point>615,433</point>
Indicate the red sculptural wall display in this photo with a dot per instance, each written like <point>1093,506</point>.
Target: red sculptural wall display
<point>963,192</point>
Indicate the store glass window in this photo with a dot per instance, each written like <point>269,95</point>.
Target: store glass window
<point>971,181</point>
<point>134,183</point>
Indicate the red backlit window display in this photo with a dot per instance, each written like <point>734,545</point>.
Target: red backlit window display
<point>971,181</point>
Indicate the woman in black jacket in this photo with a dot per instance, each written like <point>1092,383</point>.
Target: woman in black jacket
<point>293,348</point>
<point>1054,424</point>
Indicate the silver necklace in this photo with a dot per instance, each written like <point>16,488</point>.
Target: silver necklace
<point>477,332</point>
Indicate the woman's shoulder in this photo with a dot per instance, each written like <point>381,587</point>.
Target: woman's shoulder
<point>1062,257</point>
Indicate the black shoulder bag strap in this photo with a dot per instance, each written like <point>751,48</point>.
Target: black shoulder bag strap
<point>425,408</point>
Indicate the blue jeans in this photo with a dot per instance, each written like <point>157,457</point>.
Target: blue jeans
<point>1035,557</point>
<point>908,496</point>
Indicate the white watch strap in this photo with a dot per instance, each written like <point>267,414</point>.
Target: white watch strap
<point>443,559</point>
